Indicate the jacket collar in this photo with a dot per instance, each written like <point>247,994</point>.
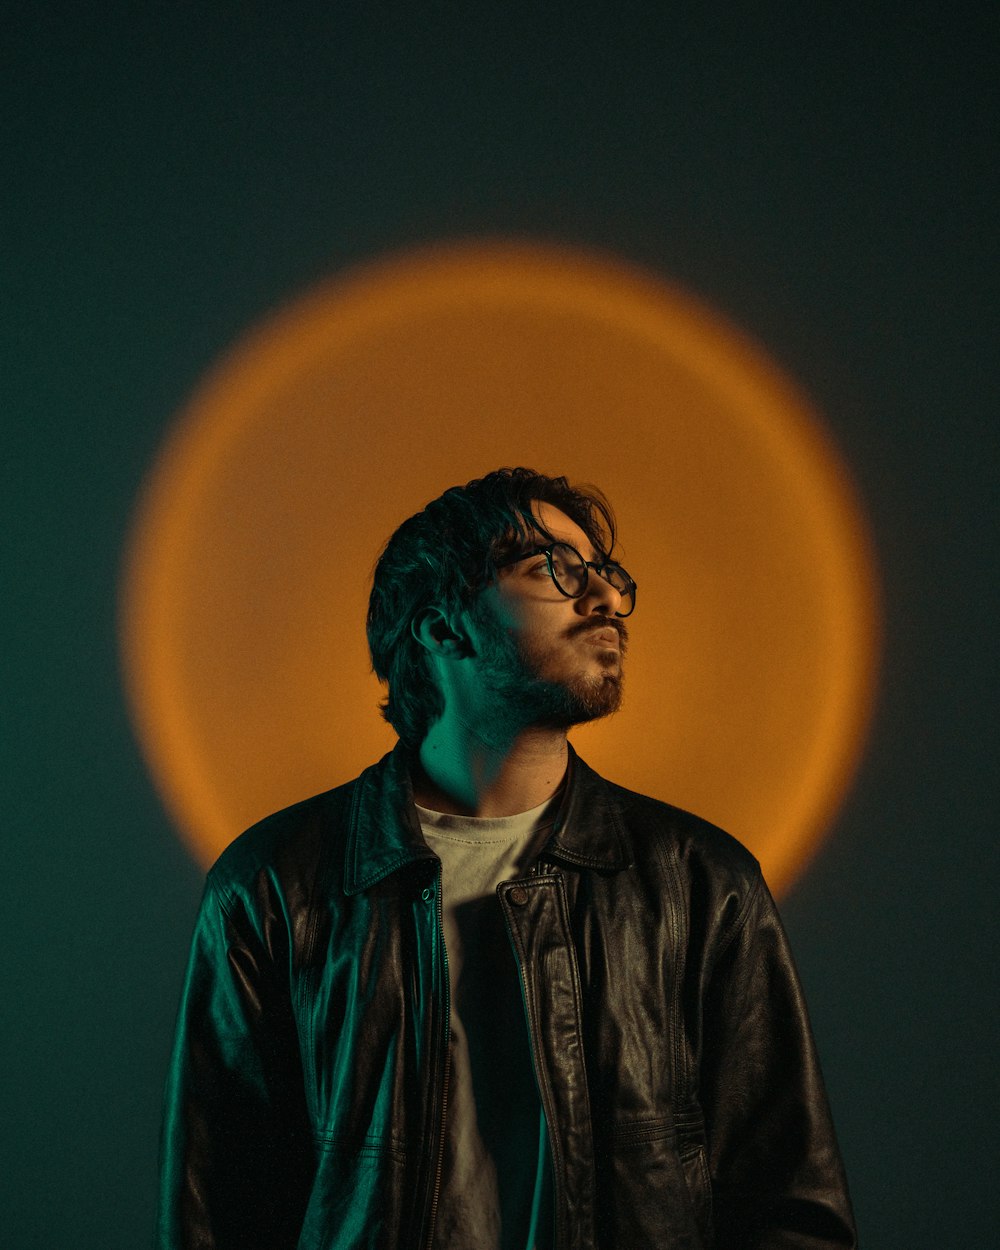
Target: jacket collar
<point>384,833</point>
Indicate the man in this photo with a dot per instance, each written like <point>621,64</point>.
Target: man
<point>480,997</point>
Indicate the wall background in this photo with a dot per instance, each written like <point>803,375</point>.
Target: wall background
<point>825,178</point>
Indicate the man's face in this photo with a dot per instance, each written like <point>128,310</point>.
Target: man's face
<point>550,660</point>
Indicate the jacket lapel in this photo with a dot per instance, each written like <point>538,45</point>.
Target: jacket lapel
<point>588,830</point>
<point>384,833</point>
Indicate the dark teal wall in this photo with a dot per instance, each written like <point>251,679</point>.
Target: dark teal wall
<point>823,174</point>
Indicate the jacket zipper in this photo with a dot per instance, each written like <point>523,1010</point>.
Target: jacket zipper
<point>446,1078</point>
<point>538,869</point>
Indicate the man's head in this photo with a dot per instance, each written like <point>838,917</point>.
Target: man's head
<point>456,582</point>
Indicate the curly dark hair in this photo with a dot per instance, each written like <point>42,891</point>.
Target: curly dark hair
<point>445,555</point>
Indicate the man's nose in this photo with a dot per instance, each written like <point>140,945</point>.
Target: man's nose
<point>600,595</point>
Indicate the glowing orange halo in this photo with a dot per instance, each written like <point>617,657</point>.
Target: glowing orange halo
<point>753,655</point>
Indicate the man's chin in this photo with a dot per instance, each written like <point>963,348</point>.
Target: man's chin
<point>535,692</point>
<point>607,701</point>
<point>585,700</point>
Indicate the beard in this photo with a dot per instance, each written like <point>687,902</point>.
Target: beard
<point>536,685</point>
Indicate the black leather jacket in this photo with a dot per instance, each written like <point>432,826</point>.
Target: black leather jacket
<point>671,1044</point>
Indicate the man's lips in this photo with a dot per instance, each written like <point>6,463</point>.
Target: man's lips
<point>611,635</point>
<point>608,636</point>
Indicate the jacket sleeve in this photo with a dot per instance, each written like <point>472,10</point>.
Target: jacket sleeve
<point>236,1155</point>
<point>777,1178</point>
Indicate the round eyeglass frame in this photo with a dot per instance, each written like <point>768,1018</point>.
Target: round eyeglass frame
<point>626,591</point>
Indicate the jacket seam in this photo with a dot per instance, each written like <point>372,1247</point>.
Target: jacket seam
<point>352,833</point>
<point>369,1144</point>
<point>681,1079</point>
<point>306,1019</point>
<point>642,1132</point>
<point>741,920</point>
<point>226,899</point>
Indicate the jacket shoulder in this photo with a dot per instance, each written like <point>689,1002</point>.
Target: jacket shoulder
<point>288,844</point>
<point>714,880</point>
<point>698,847</point>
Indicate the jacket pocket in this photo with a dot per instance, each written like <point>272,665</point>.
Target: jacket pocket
<point>362,1197</point>
<point>699,1183</point>
<point>644,1195</point>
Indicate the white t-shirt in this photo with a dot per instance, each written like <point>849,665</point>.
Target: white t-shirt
<point>496,1186</point>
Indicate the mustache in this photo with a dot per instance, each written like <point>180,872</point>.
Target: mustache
<point>604,622</point>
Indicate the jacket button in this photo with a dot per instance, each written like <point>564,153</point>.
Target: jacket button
<point>427,893</point>
<point>518,895</point>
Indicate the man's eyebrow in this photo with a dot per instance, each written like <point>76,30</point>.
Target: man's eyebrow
<point>537,539</point>
<point>595,556</point>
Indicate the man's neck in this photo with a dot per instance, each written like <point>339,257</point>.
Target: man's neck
<point>462,773</point>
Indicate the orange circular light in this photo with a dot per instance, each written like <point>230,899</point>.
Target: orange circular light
<point>754,648</point>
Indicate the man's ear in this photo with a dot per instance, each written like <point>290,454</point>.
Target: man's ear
<point>440,635</point>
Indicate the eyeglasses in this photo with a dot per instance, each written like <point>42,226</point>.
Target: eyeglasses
<point>570,573</point>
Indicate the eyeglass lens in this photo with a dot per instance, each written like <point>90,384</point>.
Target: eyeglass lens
<point>570,573</point>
